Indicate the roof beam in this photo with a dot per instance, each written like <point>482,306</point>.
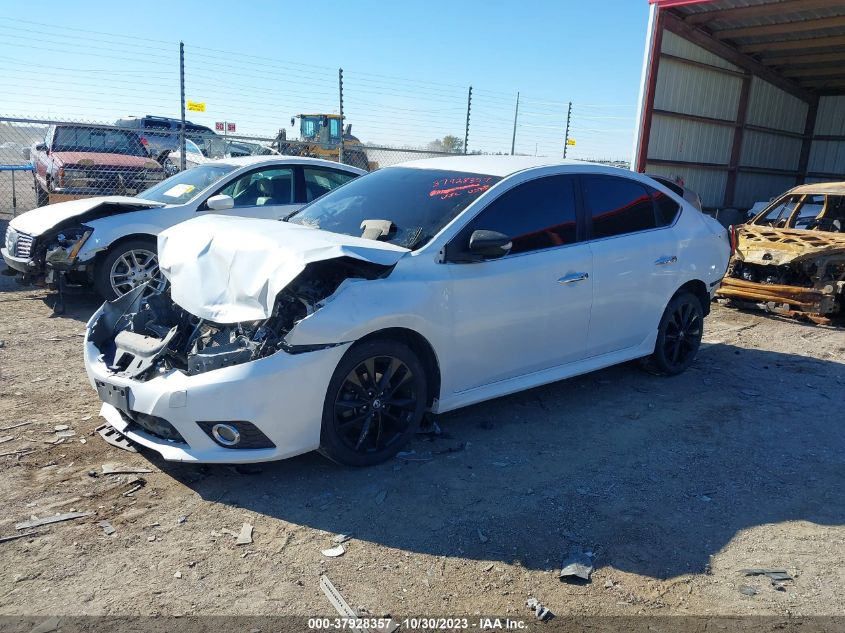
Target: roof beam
<point>826,84</point>
<point>760,11</point>
<point>729,53</point>
<point>791,45</point>
<point>815,24</point>
<point>815,72</point>
<point>804,60</point>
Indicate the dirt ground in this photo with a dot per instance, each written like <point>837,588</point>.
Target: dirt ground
<point>675,485</point>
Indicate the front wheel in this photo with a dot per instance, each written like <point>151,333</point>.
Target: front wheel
<point>127,266</point>
<point>678,335</point>
<point>42,198</point>
<point>374,403</point>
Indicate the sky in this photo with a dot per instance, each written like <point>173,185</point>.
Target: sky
<point>407,67</point>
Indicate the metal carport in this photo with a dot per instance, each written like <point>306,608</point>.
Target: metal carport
<point>743,99</point>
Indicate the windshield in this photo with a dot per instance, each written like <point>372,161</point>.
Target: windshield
<point>418,203</point>
<point>186,185</point>
<point>92,139</point>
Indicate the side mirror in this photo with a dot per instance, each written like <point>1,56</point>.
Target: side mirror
<point>27,153</point>
<point>41,147</point>
<point>489,244</point>
<point>220,203</point>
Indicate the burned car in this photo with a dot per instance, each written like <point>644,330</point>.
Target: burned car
<point>790,258</point>
<point>427,286</point>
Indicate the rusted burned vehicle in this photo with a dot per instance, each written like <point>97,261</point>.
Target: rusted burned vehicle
<point>790,259</point>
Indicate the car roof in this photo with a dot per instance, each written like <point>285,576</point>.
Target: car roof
<point>273,159</point>
<point>490,165</point>
<point>834,188</point>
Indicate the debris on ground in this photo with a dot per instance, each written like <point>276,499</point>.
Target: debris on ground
<point>541,612</point>
<point>15,537</point>
<point>341,538</point>
<point>7,438</point>
<point>182,519</point>
<point>119,469</point>
<point>747,590</point>
<point>245,536</point>
<point>579,565</point>
<point>108,529</point>
<point>345,611</point>
<point>334,552</point>
<point>772,574</point>
<point>60,427</point>
<point>136,484</point>
<point>14,426</point>
<point>67,516</point>
<point>178,574</point>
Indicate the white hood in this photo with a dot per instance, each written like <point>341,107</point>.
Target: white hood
<point>230,269</point>
<point>43,219</point>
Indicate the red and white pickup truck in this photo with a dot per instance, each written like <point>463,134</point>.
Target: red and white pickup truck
<point>77,161</point>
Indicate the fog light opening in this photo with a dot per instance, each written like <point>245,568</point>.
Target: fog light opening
<point>226,434</point>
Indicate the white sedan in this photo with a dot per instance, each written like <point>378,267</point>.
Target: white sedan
<point>427,286</point>
<point>110,241</point>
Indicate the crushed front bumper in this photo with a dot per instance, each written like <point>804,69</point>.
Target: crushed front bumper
<point>282,395</point>
<point>790,300</point>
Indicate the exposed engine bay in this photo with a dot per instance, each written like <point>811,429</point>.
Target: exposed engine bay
<point>141,337</point>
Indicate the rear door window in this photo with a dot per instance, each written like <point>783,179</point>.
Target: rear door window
<point>319,181</point>
<point>665,208</point>
<point>617,206</point>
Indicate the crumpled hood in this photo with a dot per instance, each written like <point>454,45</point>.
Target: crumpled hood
<point>43,219</point>
<point>775,247</point>
<point>230,269</point>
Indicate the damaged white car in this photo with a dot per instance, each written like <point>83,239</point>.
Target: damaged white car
<point>422,287</point>
<point>110,241</point>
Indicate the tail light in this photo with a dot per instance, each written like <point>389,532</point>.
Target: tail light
<point>144,141</point>
<point>732,238</point>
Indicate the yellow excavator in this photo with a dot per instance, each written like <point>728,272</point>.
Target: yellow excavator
<point>319,137</point>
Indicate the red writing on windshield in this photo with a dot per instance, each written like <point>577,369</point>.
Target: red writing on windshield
<point>445,188</point>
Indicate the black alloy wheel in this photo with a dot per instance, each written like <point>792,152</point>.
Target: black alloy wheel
<point>679,335</point>
<point>374,404</point>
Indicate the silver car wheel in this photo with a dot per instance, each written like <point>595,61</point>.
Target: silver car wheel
<point>136,267</point>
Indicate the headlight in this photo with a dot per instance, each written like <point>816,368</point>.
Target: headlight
<point>71,241</point>
<point>73,178</point>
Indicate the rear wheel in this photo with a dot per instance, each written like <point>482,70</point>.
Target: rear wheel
<point>127,266</point>
<point>678,335</point>
<point>374,403</point>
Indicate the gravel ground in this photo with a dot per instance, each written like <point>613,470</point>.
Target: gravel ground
<point>674,484</point>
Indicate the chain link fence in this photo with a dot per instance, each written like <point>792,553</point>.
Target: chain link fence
<point>47,161</point>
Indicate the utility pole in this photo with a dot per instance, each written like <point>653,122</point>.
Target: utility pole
<point>340,95</point>
<point>566,139</point>
<point>182,93</point>
<point>469,106</point>
<point>515,116</point>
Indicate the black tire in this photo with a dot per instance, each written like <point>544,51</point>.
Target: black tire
<point>678,335</point>
<point>42,198</point>
<point>103,271</point>
<point>391,411</point>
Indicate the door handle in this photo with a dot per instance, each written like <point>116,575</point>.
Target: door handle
<point>662,261</point>
<point>573,277</point>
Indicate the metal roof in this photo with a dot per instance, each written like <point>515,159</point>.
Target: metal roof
<point>802,40</point>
